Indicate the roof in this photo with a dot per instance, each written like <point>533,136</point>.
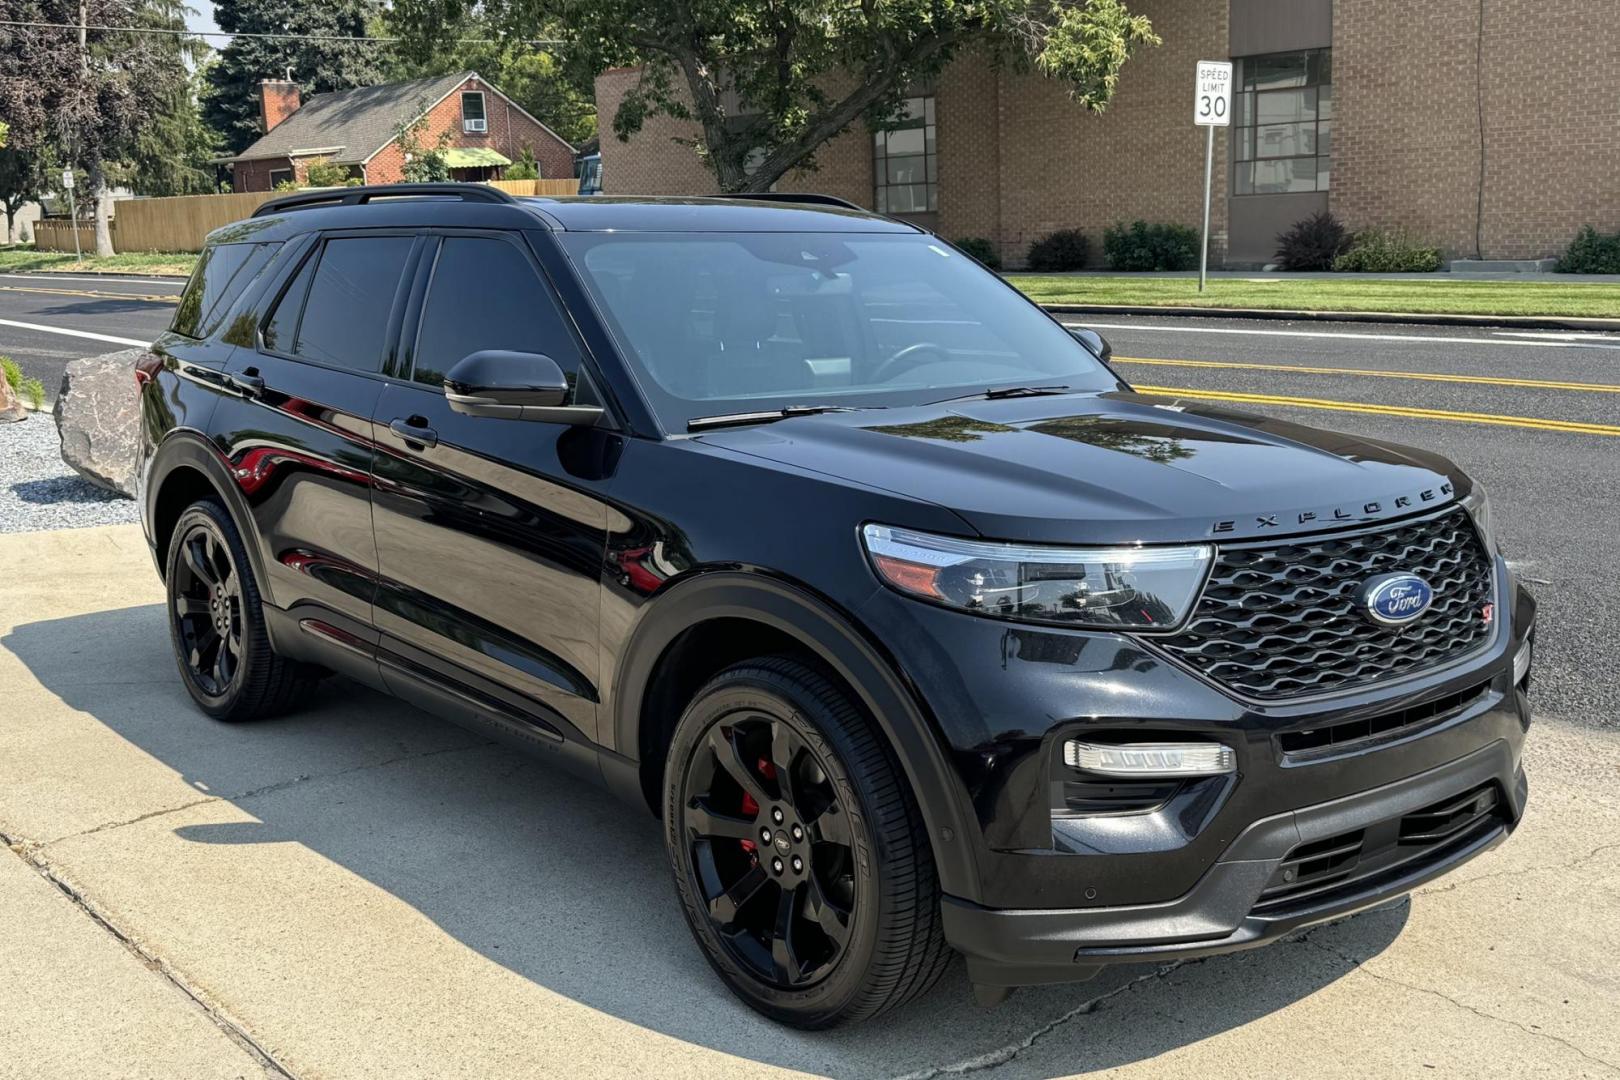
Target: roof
<point>599,213</point>
<point>425,205</point>
<point>358,122</point>
<point>473,157</point>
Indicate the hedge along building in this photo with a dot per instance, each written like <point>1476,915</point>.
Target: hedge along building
<point>1489,128</point>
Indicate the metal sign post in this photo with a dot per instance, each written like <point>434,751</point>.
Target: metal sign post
<point>73,214</point>
<point>1212,108</point>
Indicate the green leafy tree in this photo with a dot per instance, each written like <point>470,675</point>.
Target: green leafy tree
<point>770,82</point>
<point>171,151</point>
<point>423,164</point>
<point>24,177</point>
<point>525,167</point>
<point>82,93</point>
<point>231,104</point>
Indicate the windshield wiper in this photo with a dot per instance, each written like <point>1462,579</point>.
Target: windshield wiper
<point>767,416</point>
<point>997,392</point>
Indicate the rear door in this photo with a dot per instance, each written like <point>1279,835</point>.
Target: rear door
<point>490,532</point>
<point>296,424</point>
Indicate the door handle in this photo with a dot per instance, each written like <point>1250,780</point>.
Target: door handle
<point>249,382</point>
<point>414,433</point>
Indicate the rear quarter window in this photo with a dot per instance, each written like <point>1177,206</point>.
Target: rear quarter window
<point>222,275</point>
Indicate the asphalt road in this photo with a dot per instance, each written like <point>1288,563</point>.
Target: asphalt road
<point>1535,416</point>
<point>48,320</point>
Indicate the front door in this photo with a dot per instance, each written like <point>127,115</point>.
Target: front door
<point>490,532</point>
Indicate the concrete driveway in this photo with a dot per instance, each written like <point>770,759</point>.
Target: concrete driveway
<point>364,891</point>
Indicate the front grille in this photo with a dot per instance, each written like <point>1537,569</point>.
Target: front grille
<point>1282,619</point>
<point>1323,870</point>
<point>1352,733</point>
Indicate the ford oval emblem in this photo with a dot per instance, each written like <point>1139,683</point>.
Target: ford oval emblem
<point>1396,599</point>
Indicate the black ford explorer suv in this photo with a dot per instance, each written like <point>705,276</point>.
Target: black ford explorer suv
<point>919,629</point>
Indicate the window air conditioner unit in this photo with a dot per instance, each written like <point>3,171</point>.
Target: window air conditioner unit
<point>475,125</point>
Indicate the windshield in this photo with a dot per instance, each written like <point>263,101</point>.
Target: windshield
<point>721,323</point>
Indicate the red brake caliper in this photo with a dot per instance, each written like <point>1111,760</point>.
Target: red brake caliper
<point>749,806</point>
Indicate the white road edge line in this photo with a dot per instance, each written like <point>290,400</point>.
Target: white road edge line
<point>1518,342</point>
<point>73,333</point>
<point>105,279</point>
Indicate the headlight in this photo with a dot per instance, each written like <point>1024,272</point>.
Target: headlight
<point>1137,588</point>
<point>1478,505</point>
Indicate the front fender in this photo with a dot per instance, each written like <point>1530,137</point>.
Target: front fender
<point>839,642</point>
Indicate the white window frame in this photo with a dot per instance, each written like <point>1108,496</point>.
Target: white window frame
<point>291,174</point>
<point>478,124</point>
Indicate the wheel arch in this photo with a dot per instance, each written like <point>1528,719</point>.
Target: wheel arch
<point>775,616</point>
<point>186,467</point>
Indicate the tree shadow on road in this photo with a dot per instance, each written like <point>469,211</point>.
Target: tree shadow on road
<point>563,885</point>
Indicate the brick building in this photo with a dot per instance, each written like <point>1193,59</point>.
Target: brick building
<point>1490,130</point>
<point>359,129</point>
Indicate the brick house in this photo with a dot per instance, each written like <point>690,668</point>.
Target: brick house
<point>1488,131</point>
<point>359,129</point>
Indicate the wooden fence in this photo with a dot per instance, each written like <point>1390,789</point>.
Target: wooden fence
<point>181,223</point>
<point>536,187</point>
<point>55,234</point>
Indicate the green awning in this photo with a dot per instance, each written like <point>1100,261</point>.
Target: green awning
<point>474,157</point>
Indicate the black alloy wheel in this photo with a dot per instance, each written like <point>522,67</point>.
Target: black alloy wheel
<point>770,844</point>
<point>799,854</point>
<point>216,622</point>
<point>207,607</point>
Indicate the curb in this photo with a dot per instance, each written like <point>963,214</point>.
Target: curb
<point>1516,322</point>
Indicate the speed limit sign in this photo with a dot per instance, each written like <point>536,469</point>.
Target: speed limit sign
<point>1213,105</point>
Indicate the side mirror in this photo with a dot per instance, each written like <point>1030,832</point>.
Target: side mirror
<point>1095,343</point>
<point>515,386</point>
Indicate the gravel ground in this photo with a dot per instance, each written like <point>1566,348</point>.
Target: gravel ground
<point>37,489</point>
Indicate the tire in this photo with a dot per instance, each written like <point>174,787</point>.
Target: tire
<point>846,867</point>
<point>216,622</point>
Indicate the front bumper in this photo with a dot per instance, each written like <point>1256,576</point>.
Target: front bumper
<point>1227,911</point>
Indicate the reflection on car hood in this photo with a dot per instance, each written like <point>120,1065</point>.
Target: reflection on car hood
<point>1109,468</point>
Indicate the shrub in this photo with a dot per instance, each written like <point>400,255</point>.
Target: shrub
<point>32,390</point>
<point>1140,246</point>
<point>1312,244</point>
<point>1388,251</point>
<point>1066,249</point>
<point>1591,252</point>
<point>981,249</point>
<point>322,173</point>
<point>525,167</point>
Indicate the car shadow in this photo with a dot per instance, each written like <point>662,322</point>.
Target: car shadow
<point>563,885</point>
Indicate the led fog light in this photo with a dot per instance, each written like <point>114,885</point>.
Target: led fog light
<point>1521,662</point>
<point>1151,759</point>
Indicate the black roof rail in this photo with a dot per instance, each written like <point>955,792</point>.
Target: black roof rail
<point>809,197</point>
<point>357,196</point>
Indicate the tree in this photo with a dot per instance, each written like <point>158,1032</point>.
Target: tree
<point>769,82</point>
<point>525,167</point>
<point>172,147</point>
<point>231,103</point>
<point>23,179</point>
<point>423,165</point>
<point>81,92</point>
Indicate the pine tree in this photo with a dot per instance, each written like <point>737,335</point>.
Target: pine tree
<point>231,104</point>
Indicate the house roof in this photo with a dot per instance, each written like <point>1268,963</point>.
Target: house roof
<point>357,122</point>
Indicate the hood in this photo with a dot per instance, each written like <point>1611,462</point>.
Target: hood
<point>1111,468</point>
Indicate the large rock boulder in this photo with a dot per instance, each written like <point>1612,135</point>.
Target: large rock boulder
<point>98,417</point>
<point>11,406</point>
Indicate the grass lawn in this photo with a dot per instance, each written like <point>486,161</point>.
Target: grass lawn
<point>1440,296</point>
<point>14,259</point>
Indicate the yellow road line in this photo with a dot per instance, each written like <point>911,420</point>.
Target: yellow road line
<point>92,293</point>
<point>1484,380</point>
<point>1569,426</point>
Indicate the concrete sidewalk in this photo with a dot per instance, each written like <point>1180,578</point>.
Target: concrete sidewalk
<point>364,891</point>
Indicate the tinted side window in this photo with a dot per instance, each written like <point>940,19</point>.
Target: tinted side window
<point>346,300</point>
<point>485,295</point>
<point>222,273</point>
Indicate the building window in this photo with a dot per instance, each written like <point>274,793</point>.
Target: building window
<point>903,161</point>
<point>1282,123</point>
<point>472,111</point>
<point>280,176</point>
